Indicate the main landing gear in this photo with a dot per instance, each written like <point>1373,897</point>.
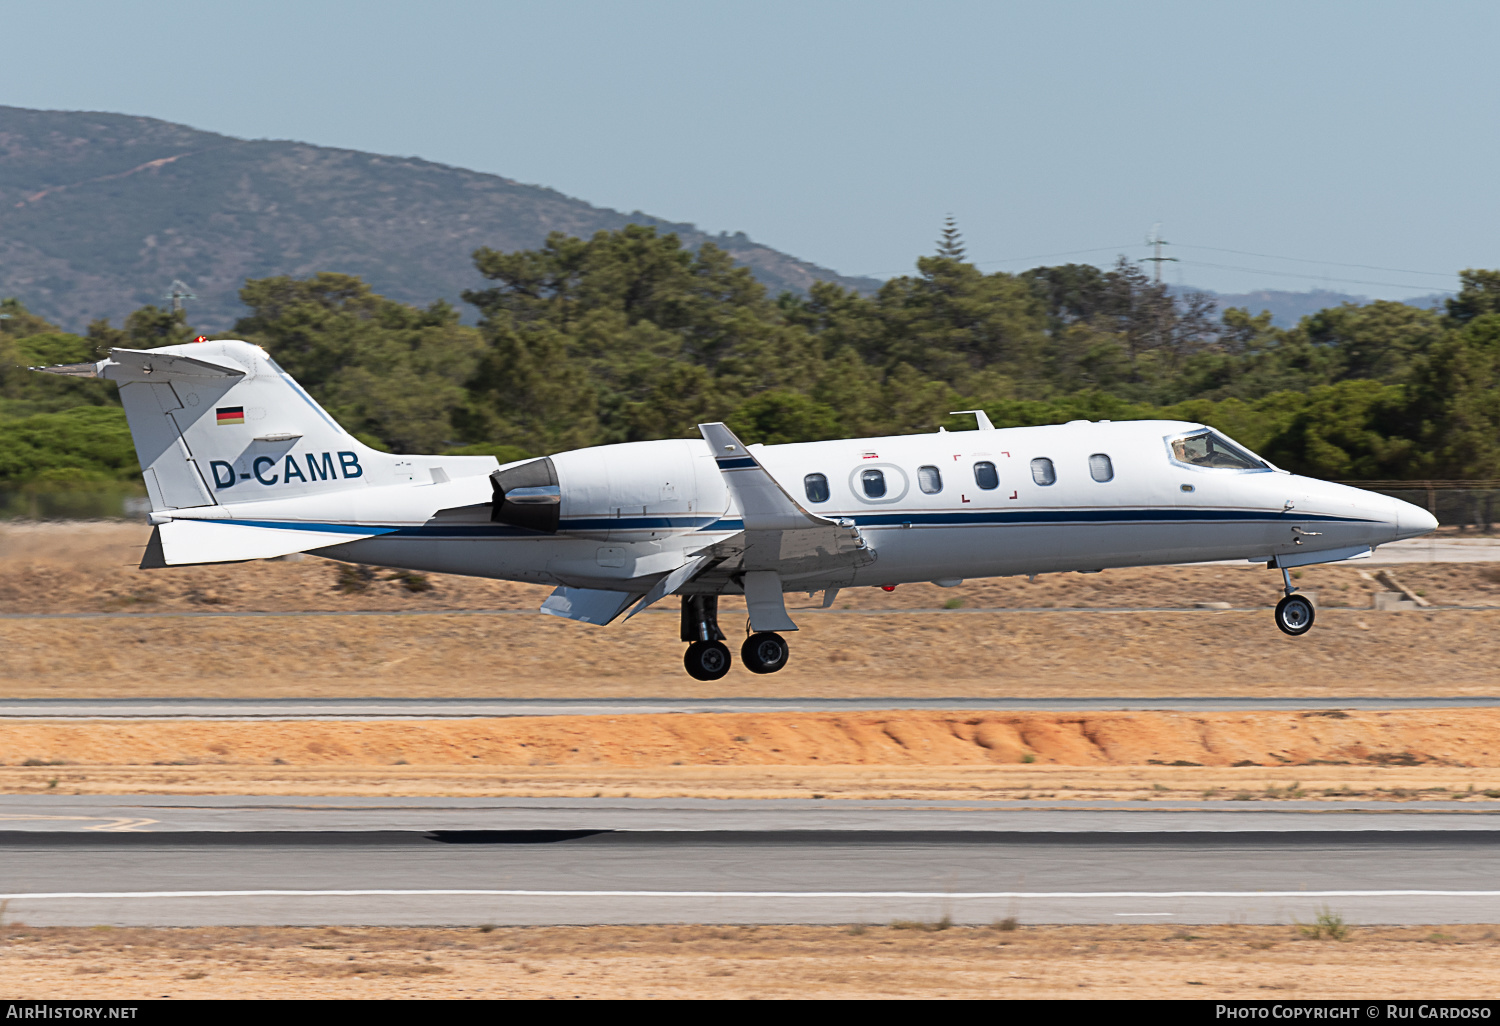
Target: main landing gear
<point>764,652</point>
<point>707,657</point>
<point>1294,613</point>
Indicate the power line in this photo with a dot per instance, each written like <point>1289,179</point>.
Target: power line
<point>1319,277</point>
<point>1330,263</point>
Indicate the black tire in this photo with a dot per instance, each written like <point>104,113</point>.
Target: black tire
<point>706,660</point>
<point>764,652</point>
<point>1295,615</point>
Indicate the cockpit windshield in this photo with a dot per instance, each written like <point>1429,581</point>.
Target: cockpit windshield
<point>1210,449</point>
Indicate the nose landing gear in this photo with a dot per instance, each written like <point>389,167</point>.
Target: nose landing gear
<point>1294,613</point>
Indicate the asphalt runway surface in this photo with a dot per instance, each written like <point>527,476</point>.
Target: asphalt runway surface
<point>133,860</point>
<point>463,708</point>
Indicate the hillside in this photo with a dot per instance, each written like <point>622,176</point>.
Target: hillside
<point>100,212</point>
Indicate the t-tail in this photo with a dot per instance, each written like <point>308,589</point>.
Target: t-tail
<point>241,463</point>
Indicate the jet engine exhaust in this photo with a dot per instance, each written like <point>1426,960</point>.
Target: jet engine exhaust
<point>528,496</point>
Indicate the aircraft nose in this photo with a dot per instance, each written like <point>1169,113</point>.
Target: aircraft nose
<point>1413,521</point>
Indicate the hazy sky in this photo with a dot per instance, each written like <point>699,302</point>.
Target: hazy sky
<point>1359,133</point>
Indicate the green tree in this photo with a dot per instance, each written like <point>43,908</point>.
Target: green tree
<point>1454,410</point>
<point>627,335</point>
<point>82,446</point>
<point>393,374</point>
<point>1378,340</point>
<point>1479,294</point>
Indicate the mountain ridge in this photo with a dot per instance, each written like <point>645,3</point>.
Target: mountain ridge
<point>100,211</point>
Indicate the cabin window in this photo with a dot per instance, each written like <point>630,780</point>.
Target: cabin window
<point>816,487</point>
<point>1209,449</point>
<point>985,476</point>
<point>930,479</point>
<point>1100,468</point>
<point>873,482</point>
<point>1042,471</point>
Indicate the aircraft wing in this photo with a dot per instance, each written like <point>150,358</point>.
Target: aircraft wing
<point>764,504</point>
<point>779,534</point>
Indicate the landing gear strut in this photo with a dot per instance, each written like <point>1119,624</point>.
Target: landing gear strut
<point>1294,613</point>
<point>707,657</point>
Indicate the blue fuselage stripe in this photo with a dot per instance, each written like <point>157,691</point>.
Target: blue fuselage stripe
<point>953,518</point>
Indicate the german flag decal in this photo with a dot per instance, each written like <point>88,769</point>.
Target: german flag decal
<point>231,414</point>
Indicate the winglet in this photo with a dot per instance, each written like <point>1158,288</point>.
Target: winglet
<point>764,504</point>
<point>979,415</point>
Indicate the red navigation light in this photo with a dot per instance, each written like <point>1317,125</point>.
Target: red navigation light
<point>887,587</point>
<point>201,338</point>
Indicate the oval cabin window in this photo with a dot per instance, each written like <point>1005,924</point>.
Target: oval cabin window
<point>873,482</point>
<point>985,476</point>
<point>816,487</point>
<point>1042,471</point>
<point>930,479</point>
<point>1100,468</point>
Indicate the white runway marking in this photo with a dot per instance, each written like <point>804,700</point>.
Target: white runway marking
<point>36,896</point>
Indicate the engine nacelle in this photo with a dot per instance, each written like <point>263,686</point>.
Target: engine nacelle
<point>634,486</point>
<point>528,496</point>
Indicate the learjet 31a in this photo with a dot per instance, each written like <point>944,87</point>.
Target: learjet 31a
<point>240,463</point>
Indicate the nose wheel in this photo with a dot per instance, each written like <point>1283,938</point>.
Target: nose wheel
<point>1294,613</point>
<point>764,652</point>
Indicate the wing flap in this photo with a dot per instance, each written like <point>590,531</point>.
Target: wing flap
<point>588,605</point>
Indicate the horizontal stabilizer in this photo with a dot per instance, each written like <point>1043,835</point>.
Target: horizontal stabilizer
<point>186,542</point>
<point>127,365</point>
<point>587,605</point>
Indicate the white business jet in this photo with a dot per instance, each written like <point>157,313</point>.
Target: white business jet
<point>240,463</point>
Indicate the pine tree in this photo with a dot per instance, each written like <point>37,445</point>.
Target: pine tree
<point>951,245</point>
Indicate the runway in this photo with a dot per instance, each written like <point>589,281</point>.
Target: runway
<point>249,860</point>
<point>461,708</point>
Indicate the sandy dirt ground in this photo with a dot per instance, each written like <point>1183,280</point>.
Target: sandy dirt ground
<point>1448,753</point>
<point>865,647</point>
<point>933,655</point>
<point>91,567</point>
<point>914,960</point>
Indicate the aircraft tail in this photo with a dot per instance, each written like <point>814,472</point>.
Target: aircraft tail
<point>220,424</point>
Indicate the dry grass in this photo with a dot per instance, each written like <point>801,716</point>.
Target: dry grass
<point>865,648</point>
<point>936,655</point>
<point>92,568</point>
<point>1239,962</point>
